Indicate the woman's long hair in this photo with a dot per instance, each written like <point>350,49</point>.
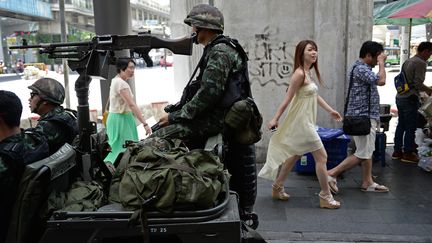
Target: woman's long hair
<point>299,58</point>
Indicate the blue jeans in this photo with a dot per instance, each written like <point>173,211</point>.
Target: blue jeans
<point>405,130</point>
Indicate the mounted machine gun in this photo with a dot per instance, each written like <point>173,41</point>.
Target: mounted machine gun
<point>91,59</point>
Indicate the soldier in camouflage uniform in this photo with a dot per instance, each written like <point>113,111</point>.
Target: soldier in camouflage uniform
<point>199,115</point>
<point>17,149</point>
<point>57,124</point>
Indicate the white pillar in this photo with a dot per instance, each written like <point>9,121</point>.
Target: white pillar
<point>404,44</point>
<point>184,65</point>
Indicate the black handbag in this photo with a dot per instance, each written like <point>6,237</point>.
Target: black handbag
<point>355,125</point>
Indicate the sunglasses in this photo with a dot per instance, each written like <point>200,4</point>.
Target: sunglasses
<point>32,94</point>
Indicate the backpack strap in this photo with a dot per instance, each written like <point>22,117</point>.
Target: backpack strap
<point>236,45</point>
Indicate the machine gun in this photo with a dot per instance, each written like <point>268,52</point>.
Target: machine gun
<point>91,59</point>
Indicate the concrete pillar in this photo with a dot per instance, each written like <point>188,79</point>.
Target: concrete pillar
<point>184,65</point>
<point>63,36</point>
<point>2,54</point>
<point>118,25</point>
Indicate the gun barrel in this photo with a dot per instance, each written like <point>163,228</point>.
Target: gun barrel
<point>59,50</point>
<point>52,45</point>
<point>57,56</point>
<point>182,46</point>
<point>26,47</point>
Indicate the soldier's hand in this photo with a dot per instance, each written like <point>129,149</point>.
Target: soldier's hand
<point>148,130</point>
<point>163,122</point>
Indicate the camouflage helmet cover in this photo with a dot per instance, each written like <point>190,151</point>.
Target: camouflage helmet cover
<point>49,89</point>
<point>205,16</point>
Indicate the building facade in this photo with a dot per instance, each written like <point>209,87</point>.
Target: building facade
<point>38,21</point>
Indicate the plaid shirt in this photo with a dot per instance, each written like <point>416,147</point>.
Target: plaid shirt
<point>364,81</point>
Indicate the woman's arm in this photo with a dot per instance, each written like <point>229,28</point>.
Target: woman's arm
<point>324,105</point>
<point>126,96</point>
<point>327,107</point>
<point>297,81</point>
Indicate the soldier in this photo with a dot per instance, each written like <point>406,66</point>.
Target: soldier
<point>199,114</point>
<point>57,124</point>
<point>17,149</point>
<point>201,111</point>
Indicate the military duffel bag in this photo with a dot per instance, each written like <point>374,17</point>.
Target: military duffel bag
<point>177,177</point>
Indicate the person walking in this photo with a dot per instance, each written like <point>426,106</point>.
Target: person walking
<point>121,124</point>
<point>364,100</point>
<point>297,134</point>
<point>408,104</point>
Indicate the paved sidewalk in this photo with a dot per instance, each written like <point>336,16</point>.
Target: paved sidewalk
<point>402,215</point>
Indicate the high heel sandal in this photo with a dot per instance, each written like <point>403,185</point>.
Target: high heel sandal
<point>279,193</point>
<point>327,201</point>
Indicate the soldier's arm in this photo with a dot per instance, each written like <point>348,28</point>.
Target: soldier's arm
<point>47,129</point>
<point>211,91</point>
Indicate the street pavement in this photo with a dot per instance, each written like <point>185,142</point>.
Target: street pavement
<point>402,215</point>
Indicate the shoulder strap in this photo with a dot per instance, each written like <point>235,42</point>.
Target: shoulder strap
<point>405,75</point>
<point>203,57</point>
<point>233,43</point>
<point>236,45</point>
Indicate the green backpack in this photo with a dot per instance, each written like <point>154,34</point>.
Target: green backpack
<point>176,176</point>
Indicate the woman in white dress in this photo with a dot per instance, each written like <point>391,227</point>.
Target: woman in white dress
<point>297,134</point>
<point>123,110</point>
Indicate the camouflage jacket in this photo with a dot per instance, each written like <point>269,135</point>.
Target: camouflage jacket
<point>15,152</point>
<point>58,126</point>
<point>204,108</point>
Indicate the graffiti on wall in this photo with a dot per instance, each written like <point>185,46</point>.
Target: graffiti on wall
<point>270,60</point>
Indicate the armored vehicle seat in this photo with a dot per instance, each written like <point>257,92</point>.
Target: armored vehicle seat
<point>39,179</point>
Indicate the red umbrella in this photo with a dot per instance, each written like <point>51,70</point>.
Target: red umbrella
<point>419,9</point>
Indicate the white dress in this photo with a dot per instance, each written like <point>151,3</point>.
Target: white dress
<point>297,134</point>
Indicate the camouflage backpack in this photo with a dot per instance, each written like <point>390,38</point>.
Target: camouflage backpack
<point>177,177</point>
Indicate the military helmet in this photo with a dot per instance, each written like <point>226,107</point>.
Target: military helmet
<point>205,16</point>
<point>49,89</point>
